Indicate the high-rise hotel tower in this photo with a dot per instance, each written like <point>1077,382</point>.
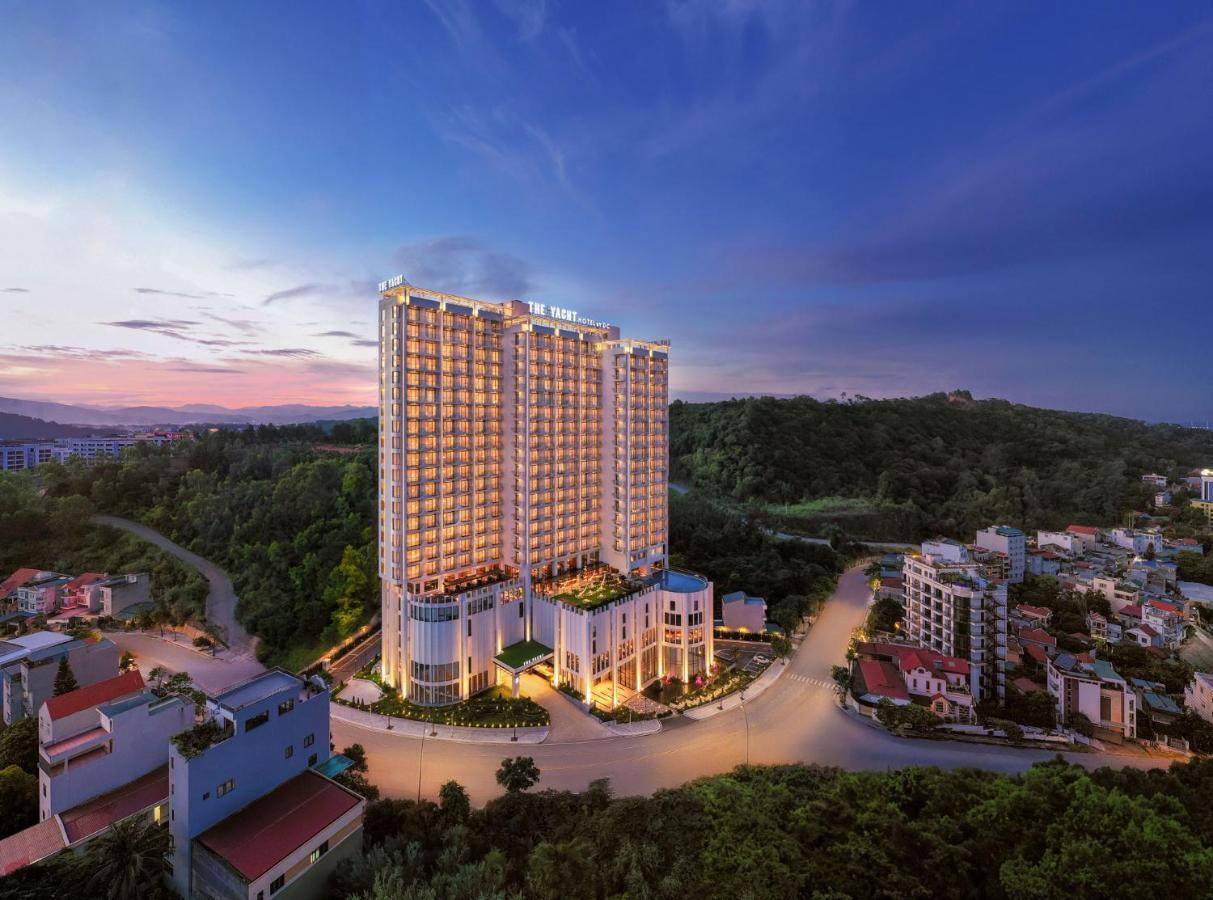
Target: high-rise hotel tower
<point>523,456</point>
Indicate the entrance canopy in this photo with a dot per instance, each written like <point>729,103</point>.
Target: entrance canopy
<point>517,658</point>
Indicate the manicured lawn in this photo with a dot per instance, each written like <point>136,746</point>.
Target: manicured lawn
<point>590,597</point>
<point>494,708</point>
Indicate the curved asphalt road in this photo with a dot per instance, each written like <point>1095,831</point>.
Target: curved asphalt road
<point>220,602</point>
<point>795,720</point>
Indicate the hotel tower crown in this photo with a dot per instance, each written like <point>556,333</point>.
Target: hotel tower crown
<point>523,454</point>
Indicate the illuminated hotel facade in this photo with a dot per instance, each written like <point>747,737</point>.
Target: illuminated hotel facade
<point>523,456</point>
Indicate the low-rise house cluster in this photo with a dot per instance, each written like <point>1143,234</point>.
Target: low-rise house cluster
<point>1093,689</point>
<point>242,781</point>
<point>33,592</point>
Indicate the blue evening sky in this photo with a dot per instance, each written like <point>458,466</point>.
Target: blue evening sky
<point>874,198</point>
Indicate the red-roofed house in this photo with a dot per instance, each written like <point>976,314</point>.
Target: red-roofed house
<point>86,698</point>
<point>1088,535</point>
<point>1036,615</point>
<point>1129,615</point>
<point>1026,685</point>
<point>1037,653</point>
<point>74,596</point>
<point>295,835</point>
<point>942,681</point>
<point>1038,637</point>
<point>14,581</point>
<point>879,680</point>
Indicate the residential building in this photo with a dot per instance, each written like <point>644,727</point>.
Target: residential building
<point>8,587</point>
<point>1198,696</point>
<point>523,481</point>
<point>255,737</point>
<point>118,593</point>
<point>1119,593</point>
<point>74,596</point>
<point>1071,544</point>
<point>29,679</point>
<point>954,608</point>
<point>293,837</point>
<point>1038,616</point>
<point>29,454</point>
<point>40,594</point>
<point>1163,498</point>
<point>1009,542</point>
<point>941,683</point>
<point>1168,621</point>
<point>1155,479</point>
<point>1205,501</point>
<point>1086,535</point>
<point>1043,562</point>
<point>1154,705</point>
<point>742,613</point>
<point>1095,690</point>
<point>1136,541</point>
<point>99,738</point>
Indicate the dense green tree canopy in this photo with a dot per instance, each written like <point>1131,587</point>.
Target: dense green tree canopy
<point>943,463</point>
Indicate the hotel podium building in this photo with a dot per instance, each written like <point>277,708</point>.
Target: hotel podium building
<point>523,454</point>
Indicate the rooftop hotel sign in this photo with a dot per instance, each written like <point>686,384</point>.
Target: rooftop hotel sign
<point>563,314</point>
<point>395,282</point>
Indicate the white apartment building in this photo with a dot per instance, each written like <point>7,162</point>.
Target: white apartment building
<point>954,608</point>
<point>1007,541</point>
<point>97,739</point>
<point>1198,696</point>
<point>1070,543</point>
<point>523,479</point>
<point>1095,690</point>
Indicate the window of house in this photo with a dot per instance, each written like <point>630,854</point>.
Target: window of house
<point>285,707</point>
<point>309,740</point>
<point>226,788</point>
<point>290,751</point>
<point>206,795</point>
<point>319,851</point>
<point>311,760</point>
<point>277,883</point>
<point>256,721</point>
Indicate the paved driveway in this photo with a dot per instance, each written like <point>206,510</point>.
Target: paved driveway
<point>220,602</point>
<point>212,674</point>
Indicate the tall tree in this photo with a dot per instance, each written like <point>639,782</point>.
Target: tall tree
<point>65,679</point>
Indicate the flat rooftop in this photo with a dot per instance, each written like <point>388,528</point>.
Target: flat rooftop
<point>258,688</point>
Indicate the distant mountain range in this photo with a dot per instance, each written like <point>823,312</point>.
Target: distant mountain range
<point>194,413</point>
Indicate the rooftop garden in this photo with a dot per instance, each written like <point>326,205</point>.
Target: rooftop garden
<point>494,708</point>
<point>200,738</point>
<point>598,591</point>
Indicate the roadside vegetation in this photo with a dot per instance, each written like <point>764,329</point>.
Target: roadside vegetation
<point>293,524</point>
<point>802,831</point>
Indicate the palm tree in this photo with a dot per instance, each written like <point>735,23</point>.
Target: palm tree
<point>129,860</point>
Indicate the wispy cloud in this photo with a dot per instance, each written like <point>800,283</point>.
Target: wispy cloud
<point>364,343</point>
<point>337,333</point>
<point>246,326</point>
<point>285,352</point>
<point>147,290</point>
<point>16,290</point>
<point>461,264</point>
<point>302,290</point>
<point>207,370</point>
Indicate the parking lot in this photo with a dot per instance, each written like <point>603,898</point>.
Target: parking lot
<point>747,656</point>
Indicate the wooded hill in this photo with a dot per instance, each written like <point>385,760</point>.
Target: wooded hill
<point>944,463</point>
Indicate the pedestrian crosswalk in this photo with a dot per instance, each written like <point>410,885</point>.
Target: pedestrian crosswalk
<point>807,679</point>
